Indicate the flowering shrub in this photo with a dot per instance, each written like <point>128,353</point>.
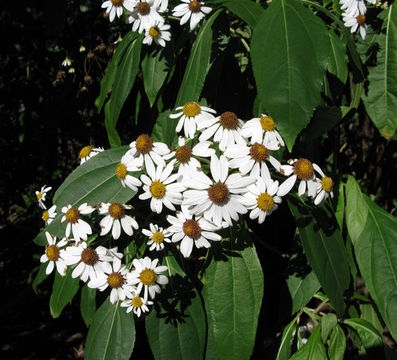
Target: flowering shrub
<point>167,227</point>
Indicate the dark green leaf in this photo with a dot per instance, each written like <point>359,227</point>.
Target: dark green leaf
<point>40,276</point>
<point>328,323</point>
<point>88,304</point>
<point>284,350</point>
<point>337,344</point>
<point>324,119</point>
<point>164,129</point>
<point>313,349</point>
<point>111,335</point>
<point>368,334</point>
<point>337,63</point>
<point>369,314</point>
<point>340,206</point>
<point>289,83</point>
<point>247,10</point>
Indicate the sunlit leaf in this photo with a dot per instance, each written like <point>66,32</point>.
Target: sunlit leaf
<point>368,334</point>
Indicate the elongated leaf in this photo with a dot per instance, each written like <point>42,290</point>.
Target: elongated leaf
<point>337,63</point>
<point>40,276</point>
<point>63,290</point>
<point>284,350</point>
<point>337,344</point>
<point>324,119</point>
<point>313,349</point>
<point>369,314</point>
<point>374,235</point>
<point>381,101</point>
<point>164,129</point>
<point>324,248</point>
<point>88,304</point>
<point>233,296</point>
<point>288,82</point>
<point>328,322</point>
<point>93,182</point>
<point>197,65</point>
<point>368,334</point>
<point>247,10</point>
<point>177,331</point>
<point>111,335</point>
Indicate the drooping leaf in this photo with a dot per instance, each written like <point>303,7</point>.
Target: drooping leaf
<point>374,235</point>
<point>176,329</point>
<point>368,334</point>
<point>247,10</point>
<point>381,100</point>
<point>337,63</point>
<point>288,83</point>
<point>284,350</point>
<point>88,304</point>
<point>40,276</point>
<point>337,344</point>
<point>111,334</point>
<point>328,323</point>
<point>313,349</point>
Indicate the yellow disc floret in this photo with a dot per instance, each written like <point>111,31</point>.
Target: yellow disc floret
<point>39,195</point>
<point>157,189</point>
<point>191,228</point>
<point>144,144</point>
<point>72,215</point>
<point>194,6</point>
<point>218,193</point>
<point>327,184</point>
<point>267,123</point>
<point>52,252</point>
<point>148,277</point>
<point>265,201</point>
<point>191,109</point>
<point>360,19</point>
<point>89,256</point>
<point>45,215</point>
<point>85,151</point>
<point>259,152</point>
<point>154,32</point>
<point>136,301</point>
<point>116,211</point>
<point>303,169</point>
<point>115,280</point>
<point>158,237</point>
<point>121,171</point>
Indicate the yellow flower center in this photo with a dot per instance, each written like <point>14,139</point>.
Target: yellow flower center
<point>72,215</point>
<point>158,237</point>
<point>191,109</point>
<point>89,256</point>
<point>85,151</point>
<point>144,144</point>
<point>148,277</point>
<point>191,228</point>
<point>116,211</point>
<point>228,120</point>
<point>267,123</point>
<point>117,2</point>
<point>39,195</point>
<point>360,19</point>
<point>144,8</point>
<point>136,301</point>
<point>45,215</point>
<point>327,184</point>
<point>183,154</point>
<point>194,6</point>
<point>121,171</point>
<point>265,201</point>
<point>303,168</point>
<point>218,193</point>
<point>259,152</point>
<point>52,252</point>
<point>154,32</point>
<point>157,189</point>
<point>115,280</point>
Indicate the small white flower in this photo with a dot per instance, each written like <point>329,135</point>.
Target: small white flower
<point>193,10</point>
<point>324,188</point>
<point>115,7</point>
<point>137,304</point>
<point>87,152</point>
<point>351,6</point>
<point>67,62</point>
<point>191,116</point>
<point>116,219</point>
<point>356,20</point>
<point>77,226</point>
<point>158,32</point>
<point>54,255</point>
<point>49,215</point>
<point>145,15</point>
<point>157,237</point>
<point>147,275</point>
<point>41,195</point>
<point>129,163</point>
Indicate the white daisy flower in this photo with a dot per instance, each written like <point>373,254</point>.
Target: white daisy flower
<point>251,159</point>
<point>351,6</point>
<point>40,195</point>
<point>137,304</point>
<point>356,20</point>
<point>225,129</point>
<point>54,255</point>
<point>303,170</point>
<point>116,219</point>
<point>147,275</point>
<point>145,15</point>
<point>90,261</point>
<point>261,199</point>
<point>324,188</point>
<point>129,163</point>
<point>193,10</point>
<point>157,237</point>
<point>263,131</point>
<point>115,7</point>
<point>191,231</point>
<point>67,62</point>
<point>116,278</point>
<point>162,187</point>
<point>87,152</point>
<point>157,33</point>
<point>49,215</point>
<point>163,6</point>
<point>218,199</point>
<point>77,226</point>
<point>191,116</point>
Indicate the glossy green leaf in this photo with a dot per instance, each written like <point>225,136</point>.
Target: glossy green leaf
<point>324,249</point>
<point>233,296</point>
<point>368,334</point>
<point>337,62</point>
<point>337,344</point>
<point>247,10</point>
<point>93,182</point>
<point>177,328</point>
<point>284,350</point>
<point>88,304</point>
<point>374,235</point>
<point>302,289</point>
<point>111,334</point>
<point>328,323</point>
<point>381,100</point>
<point>288,83</point>
<point>63,290</point>
<point>164,129</point>
<point>197,65</point>
<point>313,349</point>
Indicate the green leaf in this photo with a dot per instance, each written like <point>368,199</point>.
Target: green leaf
<point>337,62</point>
<point>313,349</point>
<point>40,276</point>
<point>337,344</point>
<point>328,323</point>
<point>324,119</point>
<point>324,249</point>
<point>177,329</point>
<point>368,334</point>
<point>63,290</point>
<point>381,100</point>
<point>374,235</point>
<point>125,78</point>
<point>233,296</point>
<point>93,182</point>
<point>164,129</point>
<point>88,304</point>
<point>197,65</point>
<point>111,334</point>
<point>284,350</point>
<point>288,83</point>
<point>340,206</point>
<point>302,289</point>
<point>369,314</point>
